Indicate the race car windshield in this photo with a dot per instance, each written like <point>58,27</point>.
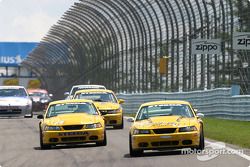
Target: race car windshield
<point>165,110</point>
<point>13,93</point>
<point>75,89</point>
<point>39,94</point>
<point>70,108</point>
<point>99,97</point>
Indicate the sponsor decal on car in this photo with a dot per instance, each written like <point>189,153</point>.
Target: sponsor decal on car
<point>73,134</point>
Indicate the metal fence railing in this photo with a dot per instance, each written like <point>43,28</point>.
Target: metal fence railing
<point>217,103</point>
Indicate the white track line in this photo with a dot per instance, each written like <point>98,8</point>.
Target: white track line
<point>231,150</point>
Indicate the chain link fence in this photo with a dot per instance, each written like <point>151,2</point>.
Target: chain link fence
<point>119,43</point>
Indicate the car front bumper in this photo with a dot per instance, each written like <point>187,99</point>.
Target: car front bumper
<point>73,136</point>
<point>113,119</point>
<point>38,106</point>
<point>15,111</point>
<point>160,141</point>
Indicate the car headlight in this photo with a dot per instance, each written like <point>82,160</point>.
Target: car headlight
<point>188,129</point>
<point>52,128</point>
<point>93,126</point>
<point>44,101</point>
<point>140,131</point>
<point>114,111</point>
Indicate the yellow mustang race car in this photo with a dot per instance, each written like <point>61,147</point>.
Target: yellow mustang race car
<point>107,103</point>
<point>165,125</point>
<point>71,121</point>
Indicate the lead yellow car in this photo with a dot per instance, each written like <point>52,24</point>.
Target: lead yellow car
<point>107,103</point>
<point>165,125</point>
<point>71,121</point>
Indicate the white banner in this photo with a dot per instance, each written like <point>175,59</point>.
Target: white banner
<point>206,46</point>
<point>241,40</point>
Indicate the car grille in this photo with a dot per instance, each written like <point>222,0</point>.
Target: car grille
<point>164,131</point>
<point>73,127</point>
<point>13,111</point>
<point>165,143</point>
<point>73,139</point>
<point>108,111</point>
<point>111,111</point>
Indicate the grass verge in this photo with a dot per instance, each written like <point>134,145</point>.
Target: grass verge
<point>228,131</point>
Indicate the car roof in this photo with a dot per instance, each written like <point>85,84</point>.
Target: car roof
<point>71,101</point>
<point>165,102</point>
<point>37,90</point>
<point>11,87</point>
<point>88,86</point>
<point>93,91</point>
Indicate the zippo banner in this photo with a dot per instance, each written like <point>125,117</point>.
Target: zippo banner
<point>206,46</point>
<point>241,41</point>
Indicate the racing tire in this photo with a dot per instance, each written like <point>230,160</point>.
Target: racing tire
<point>202,141</point>
<point>42,145</point>
<point>120,126</point>
<point>132,152</point>
<point>104,142</point>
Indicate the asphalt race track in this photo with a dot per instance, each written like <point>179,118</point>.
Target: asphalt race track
<point>19,146</point>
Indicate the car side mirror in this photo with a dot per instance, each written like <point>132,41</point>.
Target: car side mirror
<point>200,115</point>
<point>121,101</point>
<point>131,119</point>
<point>66,94</point>
<point>40,117</point>
<point>195,110</point>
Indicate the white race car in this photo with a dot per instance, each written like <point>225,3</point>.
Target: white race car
<point>15,101</point>
<point>75,88</point>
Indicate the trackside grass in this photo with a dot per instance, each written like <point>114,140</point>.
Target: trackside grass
<point>228,131</point>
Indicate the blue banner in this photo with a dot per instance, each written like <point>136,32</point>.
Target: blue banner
<point>13,53</point>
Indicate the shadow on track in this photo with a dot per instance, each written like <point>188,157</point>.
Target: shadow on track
<point>12,118</point>
<point>65,147</point>
<point>155,153</point>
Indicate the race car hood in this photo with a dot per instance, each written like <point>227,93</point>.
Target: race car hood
<point>107,105</point>
<point>10,101</point>
<point>164,122</point>
<point>73,119</point>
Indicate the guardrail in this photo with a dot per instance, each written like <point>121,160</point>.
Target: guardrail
<point>217,103</point>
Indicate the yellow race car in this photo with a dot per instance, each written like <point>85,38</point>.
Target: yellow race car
<point>71,121</point>
<point>165,125</point>
<point>107,103</point>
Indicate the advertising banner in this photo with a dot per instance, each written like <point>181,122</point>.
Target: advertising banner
<point>13,53</point>
<point>206,46</point>
<point>241,41</point>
